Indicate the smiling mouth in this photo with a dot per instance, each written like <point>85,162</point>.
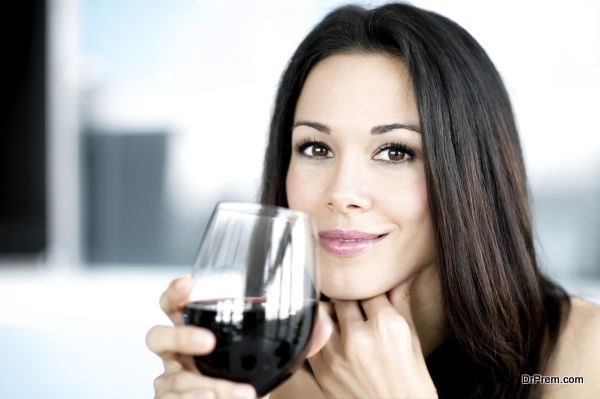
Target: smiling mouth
<point>359,239</point>
<point>348,247</point>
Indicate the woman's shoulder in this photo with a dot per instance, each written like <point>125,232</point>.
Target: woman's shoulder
<point>577,353</point>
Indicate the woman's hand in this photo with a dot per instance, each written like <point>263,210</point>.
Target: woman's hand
<point>377,355</point>
<point>176,345</point>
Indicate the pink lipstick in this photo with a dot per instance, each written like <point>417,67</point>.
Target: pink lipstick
<point>346,243</point>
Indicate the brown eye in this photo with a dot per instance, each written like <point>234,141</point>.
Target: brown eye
<point>396,155</point>
<point>315,150</point>
<point>319,151</point>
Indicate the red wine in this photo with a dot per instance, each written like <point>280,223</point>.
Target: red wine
<point>253,346</point>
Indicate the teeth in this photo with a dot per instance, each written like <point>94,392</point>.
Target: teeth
<point>342,240</point>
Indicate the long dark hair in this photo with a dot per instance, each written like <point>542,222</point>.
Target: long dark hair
<point>503,312</point>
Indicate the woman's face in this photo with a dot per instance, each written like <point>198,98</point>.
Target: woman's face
<point>357,169</point>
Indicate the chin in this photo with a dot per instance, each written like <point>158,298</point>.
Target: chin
<point>350,293</point>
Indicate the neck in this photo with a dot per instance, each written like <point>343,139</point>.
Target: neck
<point>427,309</point>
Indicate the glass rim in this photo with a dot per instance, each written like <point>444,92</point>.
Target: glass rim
<point>261,210</point>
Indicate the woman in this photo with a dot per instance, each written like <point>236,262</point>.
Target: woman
<point>393,129</point>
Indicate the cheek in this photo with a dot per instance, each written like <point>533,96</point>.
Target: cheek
<point>416,221</point>
<point>406,203</point>
<point>296,184</point>
<point>420,202</point>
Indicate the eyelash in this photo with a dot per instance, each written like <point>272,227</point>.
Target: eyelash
<point>401,147</point>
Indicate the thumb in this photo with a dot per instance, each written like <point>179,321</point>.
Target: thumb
<point>400,297</point>
<point>321,332</point>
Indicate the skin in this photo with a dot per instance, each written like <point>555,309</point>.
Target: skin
<point>356,186</point>
<point>359,187</point>
<point>386,308</point>
<point>358,182</point>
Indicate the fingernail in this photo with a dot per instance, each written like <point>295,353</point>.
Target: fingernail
<point>203,338</point>
<point>244,392</point>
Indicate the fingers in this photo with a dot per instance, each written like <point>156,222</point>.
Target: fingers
<point>349,315</point>
<point>172,364</point>
<point>377,306</point>
<point>175,297</point>
<point>327,311</point>
<point>178,362</point>
<point>200,394</point>
<point>393,303</point>
<point>187,384</point>
<point>189,340</point>
<point>322,331</point>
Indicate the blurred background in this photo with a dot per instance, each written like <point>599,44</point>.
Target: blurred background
<point>125,121</point>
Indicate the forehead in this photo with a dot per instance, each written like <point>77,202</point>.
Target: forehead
<point>358,88</point>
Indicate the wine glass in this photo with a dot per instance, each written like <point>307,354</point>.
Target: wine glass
<point>255,288</point>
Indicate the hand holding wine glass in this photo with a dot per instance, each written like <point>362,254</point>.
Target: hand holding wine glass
<point>254,287</point>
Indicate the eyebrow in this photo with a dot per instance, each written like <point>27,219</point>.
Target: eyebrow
<point>375,130</point>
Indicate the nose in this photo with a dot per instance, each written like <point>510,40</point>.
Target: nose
<point>348,190</point>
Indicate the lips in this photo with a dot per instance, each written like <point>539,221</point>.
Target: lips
<point>346,243</point>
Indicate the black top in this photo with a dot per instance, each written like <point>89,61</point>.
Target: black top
<point>453,374</point>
